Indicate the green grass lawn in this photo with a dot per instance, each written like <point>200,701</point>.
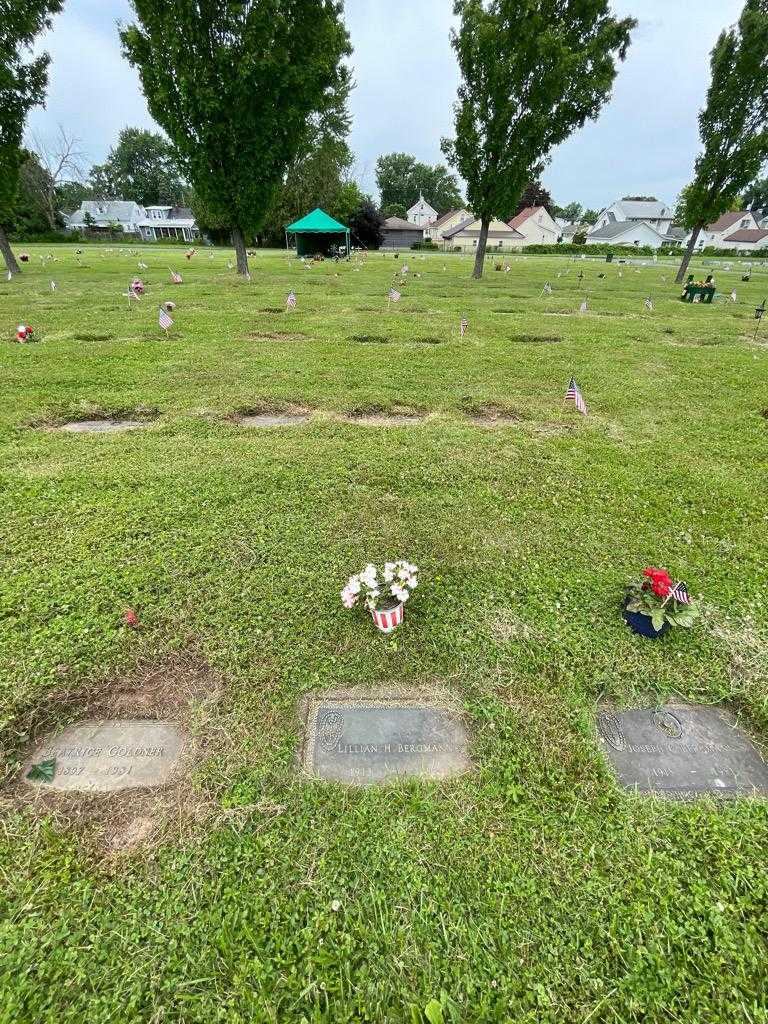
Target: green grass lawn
<point>531,890</point>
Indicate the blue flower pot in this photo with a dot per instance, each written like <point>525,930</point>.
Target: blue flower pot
<point>643,624</point>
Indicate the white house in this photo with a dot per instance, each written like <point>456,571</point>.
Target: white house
<point>149,223</point>
<point>422,213</point>
<point>445,223</point>
<point>466,235</point>
<point>746,240</point>
<point>716,235</point>
<point>652,212</point>
<point>536,226</point>
<point>629,233</point>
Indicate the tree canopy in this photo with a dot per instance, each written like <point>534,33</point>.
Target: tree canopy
<point>401,179</point>
<point>22,86</point>
<point>535,195</point>
<point>142,167</point>
<point>235,85</point>
<point>756,196</point>
<point>532,71</point>
<point>733,124</point>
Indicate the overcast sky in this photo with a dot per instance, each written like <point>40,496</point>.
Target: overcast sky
<point>644,142</point>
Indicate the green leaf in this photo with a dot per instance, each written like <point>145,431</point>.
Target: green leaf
<point>42,772</point>
<point>657,618</point>
<point>433,1011</point>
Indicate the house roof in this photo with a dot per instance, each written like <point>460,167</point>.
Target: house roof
<point>317,221</point>
<point>421,199</point>
<point>500,228</point>
<point>620,227</point>
<point>111,210</point>
<point>398,224</point>
<point>728,220</point>
<point>678,234</point>
<point>635,209</point>
<point>446,216</point>
<point>523,216</point>
<point>747,235</point>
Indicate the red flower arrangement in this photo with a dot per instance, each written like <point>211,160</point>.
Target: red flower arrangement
<point>657,596</point>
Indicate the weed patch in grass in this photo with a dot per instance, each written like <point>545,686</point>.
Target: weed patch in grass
<point>276,336</point>
<point>371,339</point>
<point>536,339</point>
<point>86,336</point>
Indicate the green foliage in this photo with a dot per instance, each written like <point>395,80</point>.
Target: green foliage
<point>142,168</point>
<point>22,85</point>
<point>756,196</point>
<point>394,210</point>
<point>532,71</point>
<point>573,213</point>
<point>70,194</point>
<point>580,238</point>
<point>589,216</point>
<point>535,195</point>
<point>27,216</point>
<point>639,199</point>
<point>400,179</point>
<point>235,86</point>
<point>365,224</point>
<point>734,122</point>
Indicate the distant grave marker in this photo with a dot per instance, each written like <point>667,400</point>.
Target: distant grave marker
<point>107,756</point>
<point>682,752</point>
<point>102,426</point>
<point>273,420</point>
<point>367,740</point>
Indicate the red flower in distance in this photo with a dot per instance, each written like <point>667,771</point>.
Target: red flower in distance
<point>130,618</point>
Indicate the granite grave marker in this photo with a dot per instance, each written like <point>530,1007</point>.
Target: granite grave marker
<point>681,752</point>
<point>106,756</point>
<point>362,740</point>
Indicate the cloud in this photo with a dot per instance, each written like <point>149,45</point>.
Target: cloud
<point>645,140</point>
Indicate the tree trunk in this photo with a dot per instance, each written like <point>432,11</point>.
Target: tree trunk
<point>5,249</point>
<point>688,254</point>
<point>482,241</point>
<point>242,256</point>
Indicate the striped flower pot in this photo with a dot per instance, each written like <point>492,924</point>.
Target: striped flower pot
<point>388,619</point>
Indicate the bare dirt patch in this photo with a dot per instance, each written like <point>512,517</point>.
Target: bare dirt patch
<point>183,690</point>
<point>492,414</point>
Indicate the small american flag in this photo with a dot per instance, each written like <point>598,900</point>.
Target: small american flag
<point>290,302</point>
<point>394,295</point>
<point>164,320</point>
<point>547,288</point>
<point>680,593</point>
<point>583,307</point>
<point>733,295</point>
<point>176,278</point>
<point>53,286</point>
<point>649,304</point>
<point>464,324</point>
<point>573,394</point>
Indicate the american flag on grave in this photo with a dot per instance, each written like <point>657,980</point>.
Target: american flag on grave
<point>463,325</point>
<point>164,320</point>
<point>547,290</point>
<point>388,620</point>
<point>176,278</point>
<point>394,295</point>
<point>680,593</point>
<point>290,302</point>
<point>573,394</point>
<point>583,307</point>
<point>649,304</point>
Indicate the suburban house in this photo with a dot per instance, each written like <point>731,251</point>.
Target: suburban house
<point>716,235</point>
<point>422,213</point>
<point>148,223</point>
<point>746,240</point>
<point>568,231</point>
<point>400,234</point>
<point>653,212</point>
<point>536,226</point>
<point>464,237</point>
<point>448,220</point>
<point>629,233</point>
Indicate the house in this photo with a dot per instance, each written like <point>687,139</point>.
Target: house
<point>645,211</point>
<point>716,235</point>
<point>447,221</point>
<point>746,240</point>
<point>629,233</point>
<point>400,234</point>
<point>148,223</point>
<point>568,231</point>
<point>422,213</point>
<point>464,237</point>
<point>536,226</point>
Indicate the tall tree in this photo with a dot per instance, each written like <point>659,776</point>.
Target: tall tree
<point>572,212</point>
<point>401,178</point>
<point>22,86</point>
<point>235,84</point>
<point>532,71</point>
<point>733,125</point>
<point>142,167</point>
<point>366,223</point>
<point>61,160</point>
<point>535,195</point>
<point>756,196</point>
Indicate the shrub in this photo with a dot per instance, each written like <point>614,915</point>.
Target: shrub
<point>426,244</point>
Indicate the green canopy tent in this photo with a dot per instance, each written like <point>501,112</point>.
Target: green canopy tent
<point>316,233</point>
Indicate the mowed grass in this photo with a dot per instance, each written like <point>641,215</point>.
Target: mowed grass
<point>532,889</point>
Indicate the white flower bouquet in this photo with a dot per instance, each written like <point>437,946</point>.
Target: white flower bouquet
<point>382,591</point>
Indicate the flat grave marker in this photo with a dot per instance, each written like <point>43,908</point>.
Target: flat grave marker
<point>362,740</point>
<point>682,752</point>
<point>102,426</point>
<point>106,756</point>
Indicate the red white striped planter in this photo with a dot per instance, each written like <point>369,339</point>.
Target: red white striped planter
<point>388,619</point>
